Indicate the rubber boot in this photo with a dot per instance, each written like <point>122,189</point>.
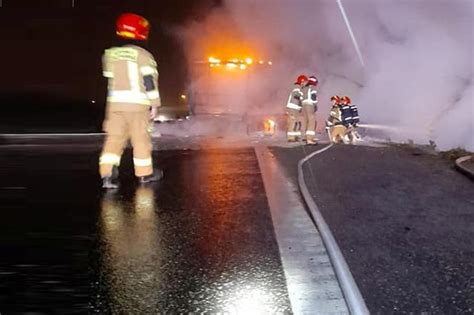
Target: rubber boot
<point>111,182</point>
<point>346,139</point>
<point>357,136</point>
<point>156,176</point>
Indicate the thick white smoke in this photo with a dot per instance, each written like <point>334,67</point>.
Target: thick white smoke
<point>418,74</point>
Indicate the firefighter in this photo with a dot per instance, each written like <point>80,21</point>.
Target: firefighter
<point>346,112</point>
<point>309,102</point>
<point>132,102</point>
<point>354,120</point>
<point>334,124</point>
<point>293,109</point>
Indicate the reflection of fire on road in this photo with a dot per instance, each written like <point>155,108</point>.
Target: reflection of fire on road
<point>132,254</point>
<point>269,127</point>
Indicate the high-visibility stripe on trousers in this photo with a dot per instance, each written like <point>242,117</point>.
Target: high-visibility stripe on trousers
<point>143,167</point>
<point>294,123</point>
<point>120,127</point>
<point>294,133</point>
<point>109,158</point>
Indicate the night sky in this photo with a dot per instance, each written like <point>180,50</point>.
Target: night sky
<point>52,48</point>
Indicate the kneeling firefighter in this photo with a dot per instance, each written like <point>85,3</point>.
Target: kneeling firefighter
<point>335,127</point>
<point>352,117</point>
<point>132,102</point>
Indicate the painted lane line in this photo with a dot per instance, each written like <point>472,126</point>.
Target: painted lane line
<point>311,281</point>
<point>352,295</point>
<point>27,135</point>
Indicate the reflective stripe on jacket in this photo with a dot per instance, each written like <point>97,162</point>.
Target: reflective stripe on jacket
<point>346,115</point>
<point>295,98</point>
<point>355,114</point>
<point>133,76</point>
<point>310,95</point>
<point>335,116</point>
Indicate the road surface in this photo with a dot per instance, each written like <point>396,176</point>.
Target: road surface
<point>404,220</point>
<point>200,240</point>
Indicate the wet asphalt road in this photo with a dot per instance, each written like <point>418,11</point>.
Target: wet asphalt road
<point>200,240</point>
<point>404,221</point>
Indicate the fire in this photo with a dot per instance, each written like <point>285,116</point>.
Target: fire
<point>231,65</point>
<point>269,127</point>
<point>214,61</point>
<point>235,63</point>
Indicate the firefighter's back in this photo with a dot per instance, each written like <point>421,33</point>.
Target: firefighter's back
<point>125,67</point>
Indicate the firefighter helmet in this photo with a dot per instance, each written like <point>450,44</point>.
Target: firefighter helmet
<point>346,100</point>
<point>301,79</point>
<point>313,80</point>
<point>132,26</point>
<point>335,98</point>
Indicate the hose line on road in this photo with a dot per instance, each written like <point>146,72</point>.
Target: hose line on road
<point>353,297</point>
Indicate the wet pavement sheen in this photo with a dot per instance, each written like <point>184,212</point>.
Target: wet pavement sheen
<point>199,241</point>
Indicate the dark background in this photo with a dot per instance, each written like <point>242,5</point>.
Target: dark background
<point>50,58</point>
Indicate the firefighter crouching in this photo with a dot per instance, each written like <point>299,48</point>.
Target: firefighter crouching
<point>293,109</point>
<point>309,102</point>
<point>132,102</point>
<point>335,127</point>
<point>352,118</point>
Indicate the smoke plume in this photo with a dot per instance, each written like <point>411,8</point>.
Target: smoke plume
<point>418,56</point>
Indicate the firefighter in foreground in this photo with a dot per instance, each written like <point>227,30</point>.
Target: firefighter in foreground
<point>132,102</point>
<point>293,109</point>
<point>309,102</point>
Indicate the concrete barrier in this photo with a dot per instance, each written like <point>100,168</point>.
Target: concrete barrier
<point>469,172</point>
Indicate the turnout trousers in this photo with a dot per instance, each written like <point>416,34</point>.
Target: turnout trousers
<point>121,126</point>
<point>338,134</point>
<point>294,124</point>
<point>309,122</point>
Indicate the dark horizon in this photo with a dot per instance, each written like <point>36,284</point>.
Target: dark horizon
<point>55,49</point>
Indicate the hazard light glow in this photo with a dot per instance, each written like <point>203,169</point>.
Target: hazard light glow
<point>231,65</point>
<point>235,63</point>
<point>213,60</point>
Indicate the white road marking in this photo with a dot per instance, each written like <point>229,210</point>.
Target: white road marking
<point>29,135</point>
<point>311,281</point>
<point>353,297</point>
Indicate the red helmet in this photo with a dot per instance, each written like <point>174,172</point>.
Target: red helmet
<point>313,80</point>
<point>132,26</point>
<point>335,98</point>
<point>301,79</point>
<point>346,100</point>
